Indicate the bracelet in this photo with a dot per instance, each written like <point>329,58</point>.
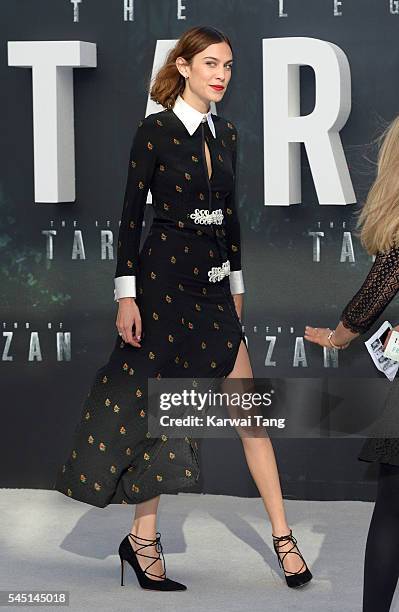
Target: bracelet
<point>343,346</point>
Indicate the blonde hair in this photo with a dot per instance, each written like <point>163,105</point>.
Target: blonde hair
<point>379,217</point>
<point>168,82</point>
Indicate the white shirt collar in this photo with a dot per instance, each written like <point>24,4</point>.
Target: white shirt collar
<point>191,117</point>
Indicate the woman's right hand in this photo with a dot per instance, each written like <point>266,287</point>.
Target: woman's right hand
<point>129,316</point>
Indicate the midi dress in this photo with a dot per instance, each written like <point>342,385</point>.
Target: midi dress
<point>378,290</point>
<point>184,276</point>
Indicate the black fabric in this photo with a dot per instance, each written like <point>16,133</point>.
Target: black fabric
<point>167,159</point>
<point>363,309</point>
<point>383,447</point>
<point>381,565</point>
<point>190,324</point>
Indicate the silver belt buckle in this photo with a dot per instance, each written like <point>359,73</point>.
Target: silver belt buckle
<point>204,217</point>
<point>216,273</point>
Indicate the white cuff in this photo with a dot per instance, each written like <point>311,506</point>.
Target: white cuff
<point>236,282</point>
<point>125,286</point>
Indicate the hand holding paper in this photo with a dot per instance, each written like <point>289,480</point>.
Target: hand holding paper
<point>376,345</point>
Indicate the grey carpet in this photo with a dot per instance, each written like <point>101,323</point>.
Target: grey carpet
<point>219,546</point>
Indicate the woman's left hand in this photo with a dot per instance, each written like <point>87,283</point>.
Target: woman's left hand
<point>317,335</point>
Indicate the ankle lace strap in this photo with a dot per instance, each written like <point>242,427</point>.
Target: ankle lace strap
<point>158,548</point>
<point>279,542</point>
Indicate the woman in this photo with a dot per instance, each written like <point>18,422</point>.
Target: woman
<point>379,222</point>
<point>185,313</point>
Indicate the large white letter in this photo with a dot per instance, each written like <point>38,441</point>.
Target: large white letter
<point>285,129</point>
<point>53,121</point>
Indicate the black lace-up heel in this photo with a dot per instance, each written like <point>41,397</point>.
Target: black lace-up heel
<point>294,579</point>
<point>126,553</point>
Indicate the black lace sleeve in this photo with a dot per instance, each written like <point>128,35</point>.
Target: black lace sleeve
<point>378,289</point>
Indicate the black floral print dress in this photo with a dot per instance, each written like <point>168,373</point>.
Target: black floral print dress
<point>379,288</point>
<point>189,322</point>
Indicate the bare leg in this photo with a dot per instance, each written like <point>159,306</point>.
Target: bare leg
<point>145,526</point>
<point>261,461</point>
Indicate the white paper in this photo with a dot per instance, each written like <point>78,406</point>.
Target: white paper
<point>384,364</point>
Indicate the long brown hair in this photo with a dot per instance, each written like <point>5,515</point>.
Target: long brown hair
<point>168,82</point>
<point>379,217</point>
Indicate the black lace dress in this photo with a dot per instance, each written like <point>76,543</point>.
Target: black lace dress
<point>377,291</point>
